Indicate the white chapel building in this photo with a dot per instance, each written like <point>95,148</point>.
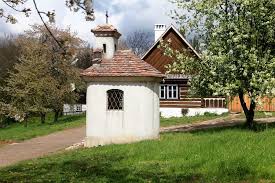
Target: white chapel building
<point>122,94</point>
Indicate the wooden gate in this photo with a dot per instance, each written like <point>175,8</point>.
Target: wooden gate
<point>267,104</point>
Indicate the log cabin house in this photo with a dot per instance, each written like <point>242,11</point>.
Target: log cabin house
<point>173,92</point>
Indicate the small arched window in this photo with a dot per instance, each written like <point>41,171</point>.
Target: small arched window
<point>115,99</point>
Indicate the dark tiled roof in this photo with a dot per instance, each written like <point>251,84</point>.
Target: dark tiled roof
<point>124,63</point>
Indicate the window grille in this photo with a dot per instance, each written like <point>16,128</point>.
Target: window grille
<point>115,99</point>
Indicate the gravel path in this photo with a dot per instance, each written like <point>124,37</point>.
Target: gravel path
<point>232,120</point>
<point>40,146</point>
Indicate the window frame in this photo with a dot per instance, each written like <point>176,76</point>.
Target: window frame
<point>118,102</point>
<point>104,48</point>
<point>160,90</point>
<point>79,108</point>
<point>167,88</point>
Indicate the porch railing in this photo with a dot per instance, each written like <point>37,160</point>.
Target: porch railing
<point>214,102</point>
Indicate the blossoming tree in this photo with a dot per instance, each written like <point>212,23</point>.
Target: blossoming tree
<point>239,43</point>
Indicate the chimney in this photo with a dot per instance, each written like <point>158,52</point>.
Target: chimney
<point>159,30</point>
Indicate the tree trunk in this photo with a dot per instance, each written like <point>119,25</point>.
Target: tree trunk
<point>249,113</point>
<point>26,122</point>
<point>43,117</point>
<point>61,114</point>
<point>1,122</point>
<point>56,115</point>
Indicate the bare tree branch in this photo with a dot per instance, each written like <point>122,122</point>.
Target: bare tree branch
<point>139,41</point>
<point>48,29</point>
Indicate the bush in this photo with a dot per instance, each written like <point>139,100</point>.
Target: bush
<point>5,121</point>
<point>184,112</point>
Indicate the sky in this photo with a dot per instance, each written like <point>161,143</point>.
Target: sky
<point>126,15</point>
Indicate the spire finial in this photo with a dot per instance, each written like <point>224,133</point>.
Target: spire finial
<point>107,17</point>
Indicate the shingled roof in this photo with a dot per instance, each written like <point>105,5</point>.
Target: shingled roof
<point>124,64</point>
<point>106,29</point>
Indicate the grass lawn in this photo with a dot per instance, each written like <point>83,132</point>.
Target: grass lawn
<point>262,115</point>
<point>224,155</point>
<point>17,131</point>
<point>164,122</point>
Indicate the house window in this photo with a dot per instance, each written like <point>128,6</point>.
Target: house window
<point>78,108</point>
<point>169,92</point>
<point>162,92</point>
<point>104,48</point>
<point>115,47</point>
<point>115,99</point>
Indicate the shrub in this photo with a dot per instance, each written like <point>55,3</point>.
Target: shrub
<point>184,112</point>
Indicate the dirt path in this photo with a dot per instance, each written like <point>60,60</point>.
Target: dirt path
<point>40,146</point>
<point>232,120</point>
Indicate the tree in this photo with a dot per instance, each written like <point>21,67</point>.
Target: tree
<point>8,56</point>
<point>84,58</point>
<point>122,45</point>
<point>61,65</point>
<point>139,41</point>
<point>195,42</point>
<point>42,80</point>
<point>239,58</point>
<point>85,6</point>
<point>30,87</point>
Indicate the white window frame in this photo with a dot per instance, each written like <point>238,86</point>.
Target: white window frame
<point>177,91</point>
<point>166,91</point>
<point>162,97</point>
<point>78,108</point>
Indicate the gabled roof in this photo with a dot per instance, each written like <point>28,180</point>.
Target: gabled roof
<point>124,64</point>
<point>164,34</point>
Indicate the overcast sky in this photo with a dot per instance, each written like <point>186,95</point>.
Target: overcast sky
<point>126,15</point>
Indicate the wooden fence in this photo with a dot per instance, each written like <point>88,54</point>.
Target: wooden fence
<point>267,104</point>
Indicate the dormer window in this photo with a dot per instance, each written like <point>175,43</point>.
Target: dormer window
<point>104,48</point>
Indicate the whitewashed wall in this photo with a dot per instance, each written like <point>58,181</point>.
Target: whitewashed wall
<point>177,112</point>
<point>138,121</point>
<point>110,45</point>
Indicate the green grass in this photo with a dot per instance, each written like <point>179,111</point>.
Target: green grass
<point>224,155</point>
<point>164,122</point>
<point>17,131</point>
<point>263,115</point>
